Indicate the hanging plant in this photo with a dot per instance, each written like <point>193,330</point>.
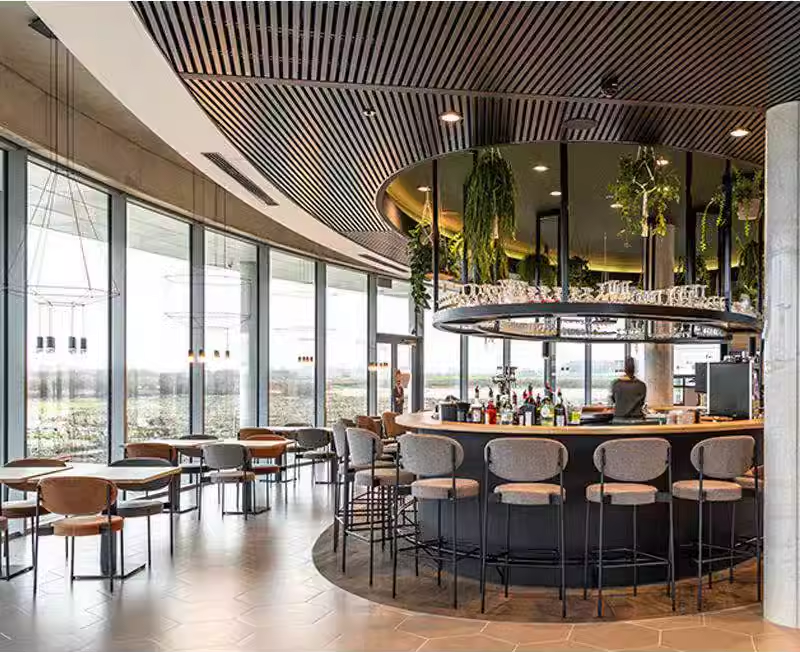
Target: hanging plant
<point>749,270</point>
<point>701,273</point>
<point>643,189</point>
<point>489,213</point>
<point>747,196</point>
<point>420,260</point>
<point>579,273</point>
<point>547,271</point>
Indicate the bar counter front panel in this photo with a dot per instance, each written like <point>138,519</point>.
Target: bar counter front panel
<point>535,528</point>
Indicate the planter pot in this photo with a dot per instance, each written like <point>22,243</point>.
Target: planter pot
<point>749,210</point>
<point>443,276</point>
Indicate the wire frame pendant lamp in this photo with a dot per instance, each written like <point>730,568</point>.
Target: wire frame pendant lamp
<point>61,280</point>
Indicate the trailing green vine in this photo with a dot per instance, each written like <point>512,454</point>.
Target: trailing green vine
<point>643,190</point>
<point>489,214</point>
<point>747,189</point>
<point>526,268</point>
<point>749,269</point>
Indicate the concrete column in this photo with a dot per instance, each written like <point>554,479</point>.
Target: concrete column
<point>658,357</point>
<point>782,367</point>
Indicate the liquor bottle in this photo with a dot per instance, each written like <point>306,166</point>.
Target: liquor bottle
<point>546,411</point>
<point>491,413</point>
<point>560,412</point>
<point>537,408</point>
<point>524,397</point>
<point>476,409</point>
<point>530,393</point>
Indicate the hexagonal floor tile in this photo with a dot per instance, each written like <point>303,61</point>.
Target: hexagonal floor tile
<point>615,636</point>
<point>783,642</point>
<point>707,639</point>
<point>438,626</point>
<point>466,644</point>
<point>518,633</point>
<point>387,640</point>
<point>288,615</point>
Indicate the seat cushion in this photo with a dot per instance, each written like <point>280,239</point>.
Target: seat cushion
<point>384,464</point>
<point>623,493</point>
<point>441,488</point>
<point>527,493</point>
<point>748,482</point>
<point>193,468</point>
<point>22,508</point>
<point>390,449</point>
<point>714,490</point>
<point>84,526</point>
<point>3,524</point>
<point>231,476</point>
<point>384,477</point>
<point>265,469</point>
<point>317,455</point>
<point>135,508</point>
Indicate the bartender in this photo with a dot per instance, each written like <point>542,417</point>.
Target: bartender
<point>628,395</point>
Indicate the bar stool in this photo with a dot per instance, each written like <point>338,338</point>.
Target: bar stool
<point>632,462</point>
<point>314,445</point>
<point>366,449</point>
<point>195,468</point>
<point>230,464</point>
<point>525,463</point>
<point>719,461</point>
<point>435,455</point>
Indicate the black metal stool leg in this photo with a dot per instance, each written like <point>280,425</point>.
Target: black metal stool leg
<point>507,568</point>
<point>635,555</point>
<point>455,552</point>
<point>438,542</point>
<point>484,546</point>
<point>757,501</point>
<point>416,538</point>
<point>71,542</point>
<point>700,553</point>
<point>710,544</point>
<point>600,562</point>
<point>586,553</point>
<point>733,541</point>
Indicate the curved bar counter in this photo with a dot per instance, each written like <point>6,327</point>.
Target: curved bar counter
<point>536,527</point>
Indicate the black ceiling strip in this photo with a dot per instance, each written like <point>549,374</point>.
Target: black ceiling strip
<point>244,26</point>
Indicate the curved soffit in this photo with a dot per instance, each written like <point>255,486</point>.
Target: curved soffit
<point>110,41</point>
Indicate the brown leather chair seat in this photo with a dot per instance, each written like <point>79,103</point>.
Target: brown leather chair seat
<point>84,526</point>
<point>264,469</point>
<point>25,508</point>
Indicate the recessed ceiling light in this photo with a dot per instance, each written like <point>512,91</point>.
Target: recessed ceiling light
<point>450,116</point>
<point>370,113</point>
<point>616,205</point>
<point>555,193</point>
<point>424,188</point>
<point>540,168</point>
<point>740,132</point>
<point>661,161</point>
<point>580,124</point>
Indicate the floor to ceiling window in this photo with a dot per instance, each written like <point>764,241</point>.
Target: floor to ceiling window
<point>485,358</point>
<point>395,310</point>
<point>442,353</point>
<point>230,325</point>
<point>67,321</point>
<point>291,339</point>
<point>527,358</point>
<point>608,360</point>
<point>345,344</point>
<point>570,371</point>
<point>158,324</point>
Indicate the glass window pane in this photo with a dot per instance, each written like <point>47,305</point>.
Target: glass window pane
<point>291,339</point>
<point>570,365</point>
<point>68,288</point>
<point>394,307</point>
<point>442,352</point>
<point>686,355</point>
<point>485,356</point>
<point>527,358</point>
<point>230,325</point>
<point>345,344</point>
<point>158,324</point>
<point>608,360</point>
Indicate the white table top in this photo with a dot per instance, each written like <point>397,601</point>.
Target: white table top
<point>23,473</point>
<point>263,448</point>
<point>121,475</point>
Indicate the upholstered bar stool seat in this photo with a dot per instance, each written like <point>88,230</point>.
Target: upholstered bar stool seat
<point>716,491</point>
<point>379,464</point>
<point>442,488</point>
<point>137,508</point>
<point>527,493</point>
<point>231,476</point>
<point>383,477</point>
<point>85,526</point>
<point>748,480</point>
<point>264,469</point>
<point>623,493</point>
<point>25,508</point>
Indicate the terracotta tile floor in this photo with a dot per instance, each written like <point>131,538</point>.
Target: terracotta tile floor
<point>253,586</point>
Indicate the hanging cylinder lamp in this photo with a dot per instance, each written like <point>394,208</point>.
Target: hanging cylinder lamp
<point>227,354</point>
<point>51,344</point>
<point>84,346</point>
<point>201,355</point>
<point>39,344</point>
<point>216,354</point>
<point>72,344</point>
<point>190,357</point>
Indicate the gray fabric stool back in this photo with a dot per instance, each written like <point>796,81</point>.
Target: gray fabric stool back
<point>195,452</point>
<point>226,456</point>
<point>430,455</point>
<point>312,438</point>
<point>365,446</point>
<point>633,460</point>
<point>340,437</point>
<point>723,457</point>
<point>525,459</point>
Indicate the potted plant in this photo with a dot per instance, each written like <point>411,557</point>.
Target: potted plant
<point>489,214</point>
<point>701,273</point>
<point>749,270</point>
<point>643,190</point>
<point>747,195</point>
<point>420,260</point>
<point>526,268</point>
<point>579,273</point>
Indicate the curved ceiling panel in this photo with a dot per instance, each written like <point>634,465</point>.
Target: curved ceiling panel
<point>329,100</point>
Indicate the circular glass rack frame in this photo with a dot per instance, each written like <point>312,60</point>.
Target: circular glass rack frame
<point>596,322</point>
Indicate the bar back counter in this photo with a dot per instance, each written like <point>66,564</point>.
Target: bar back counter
<point>536,529</point>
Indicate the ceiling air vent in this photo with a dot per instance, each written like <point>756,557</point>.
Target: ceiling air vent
<point>223,164</point>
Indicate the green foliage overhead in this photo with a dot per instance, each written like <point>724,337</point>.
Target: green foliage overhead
<point>420,260</point>
<point>643,190</point>
<point>579,273</point>
<point>701,273</point>
<point>547,271</point>
<point>749,271</point>
<point>745,188</point>
<point>489,213</point>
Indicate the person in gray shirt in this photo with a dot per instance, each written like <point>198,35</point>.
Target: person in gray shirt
<point>628,394</point>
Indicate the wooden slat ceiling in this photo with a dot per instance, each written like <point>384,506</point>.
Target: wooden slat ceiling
<point>288,82</point>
